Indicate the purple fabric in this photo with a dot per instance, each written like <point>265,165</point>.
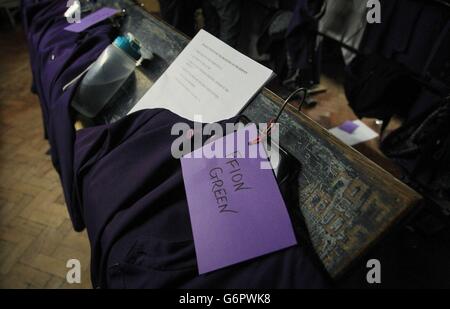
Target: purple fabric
<point>237,211</point>
<point>137,217</point>
<point>92,19</point>
<point>56,57</point>
<point>302,31</point>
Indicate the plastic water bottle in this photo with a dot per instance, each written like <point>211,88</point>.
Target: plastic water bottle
<point>107,74</point>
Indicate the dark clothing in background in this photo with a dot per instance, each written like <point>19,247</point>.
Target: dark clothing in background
<point>222,17</point>
<point>402,59</point>
<point>379,88</point>
<point>404,69</point>
<point>180,14</point>
<point>302,32</point>
<point>411,31</point>
<point>422,148</point>
<point>301,43</point>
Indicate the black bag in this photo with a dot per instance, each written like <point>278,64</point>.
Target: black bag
<point>422,148</point>
<point>379,88</point>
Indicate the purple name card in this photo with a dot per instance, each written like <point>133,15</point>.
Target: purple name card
<point>348,126</point>
<point>236,208</point>
<point>92,19</point>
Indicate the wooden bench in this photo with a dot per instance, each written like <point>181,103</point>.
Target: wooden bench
<point>348,201</point>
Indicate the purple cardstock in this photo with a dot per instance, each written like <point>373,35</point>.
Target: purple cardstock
<point>236,208</point>
<point>92,19</point>
<point>348,126</point>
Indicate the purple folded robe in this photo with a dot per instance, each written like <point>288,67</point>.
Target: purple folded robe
<point>56,57</point>
<point>137,218</point>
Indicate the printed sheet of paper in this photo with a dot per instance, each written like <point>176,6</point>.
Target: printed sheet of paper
<point>360,134</point>
<point>236,209</point>
<point>208,78</point>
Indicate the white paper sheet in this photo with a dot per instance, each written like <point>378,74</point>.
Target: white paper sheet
<point>208,78</point>
<point>361,134</point>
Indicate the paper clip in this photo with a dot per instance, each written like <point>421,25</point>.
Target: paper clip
<point>271,122</point>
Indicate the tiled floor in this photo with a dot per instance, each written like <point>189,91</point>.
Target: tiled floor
<point>36,236</point>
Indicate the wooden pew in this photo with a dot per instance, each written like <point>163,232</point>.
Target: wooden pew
<point>348,202</point>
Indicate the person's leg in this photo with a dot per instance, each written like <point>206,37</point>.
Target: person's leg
<point>180,14</point>
<point>229,12</point>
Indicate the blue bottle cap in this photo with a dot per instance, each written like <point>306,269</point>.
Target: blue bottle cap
<point>129,44</point>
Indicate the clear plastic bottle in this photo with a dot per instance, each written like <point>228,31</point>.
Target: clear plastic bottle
<point>108,73</point>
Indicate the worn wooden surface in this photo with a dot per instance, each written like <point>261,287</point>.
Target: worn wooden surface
<point>347,200</point>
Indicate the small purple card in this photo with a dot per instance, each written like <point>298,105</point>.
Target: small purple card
<point>348,126</point>
<point>236,208</point>
<point>92,19</point>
